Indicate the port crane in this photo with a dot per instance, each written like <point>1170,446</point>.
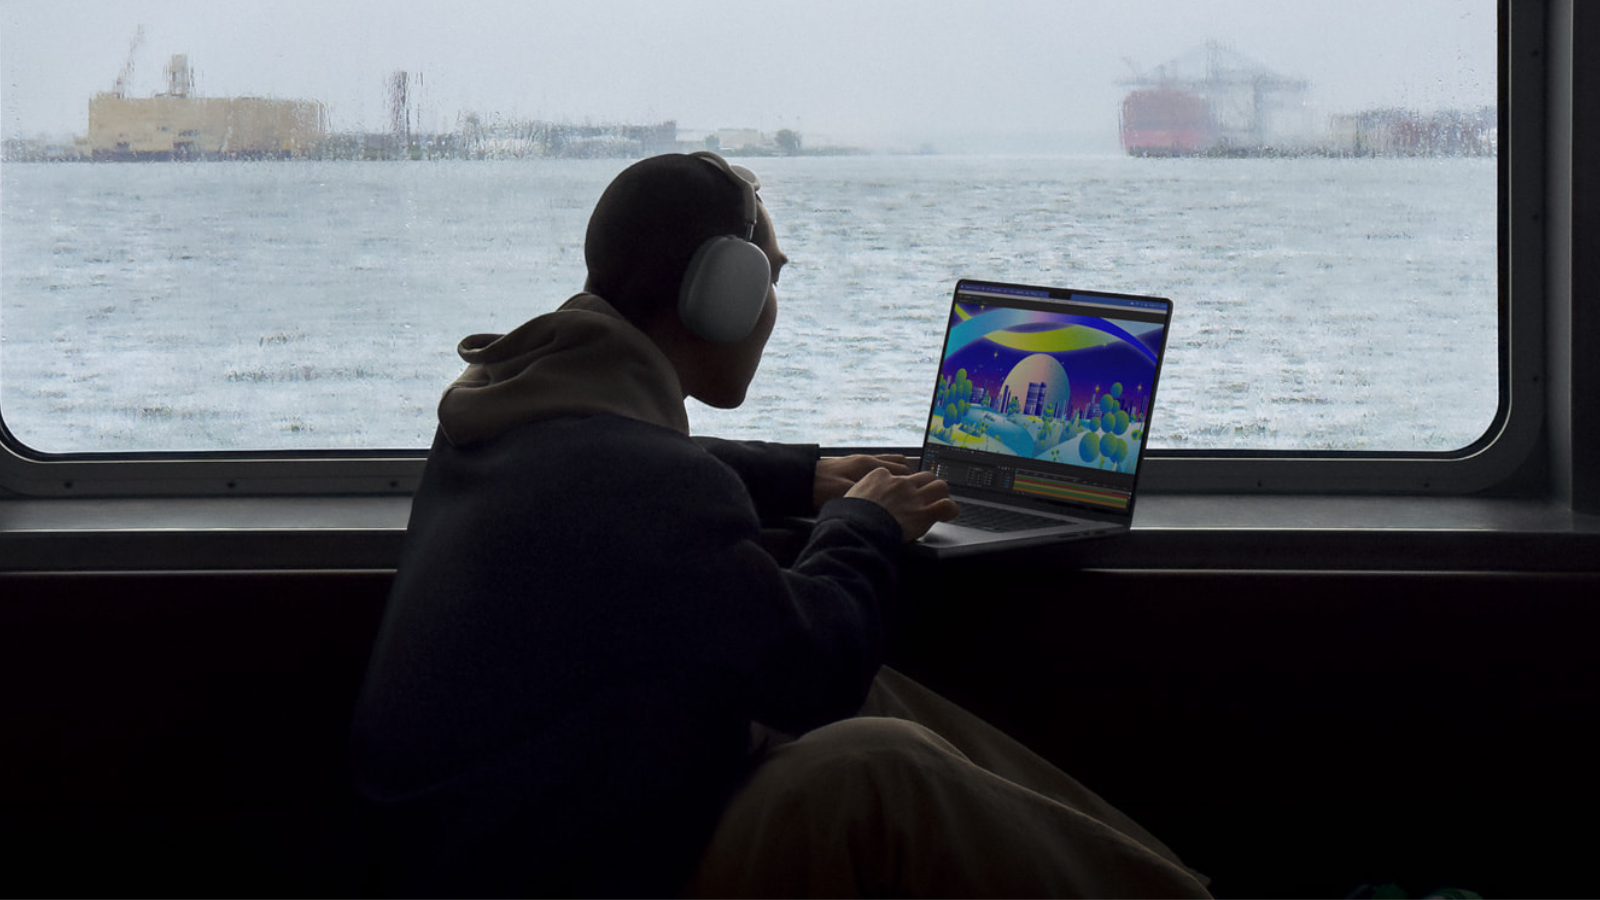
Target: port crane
<point>121,86</point>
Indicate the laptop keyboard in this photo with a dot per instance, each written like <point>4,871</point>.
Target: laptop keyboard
<point>991,518</point>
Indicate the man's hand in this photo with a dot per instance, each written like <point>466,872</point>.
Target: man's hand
<point>916,501</point>
<point>838,474</point>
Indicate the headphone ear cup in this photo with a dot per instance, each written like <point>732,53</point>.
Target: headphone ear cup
<point>724,289</point>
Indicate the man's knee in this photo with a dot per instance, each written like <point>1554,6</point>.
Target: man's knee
<point>864,746</point>
<point>826,814</point>
<point>854,769</point>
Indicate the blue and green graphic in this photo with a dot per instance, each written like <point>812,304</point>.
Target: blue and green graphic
<point>1046,385</point>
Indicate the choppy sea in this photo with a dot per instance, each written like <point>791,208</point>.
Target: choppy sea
<point>1344,304</point>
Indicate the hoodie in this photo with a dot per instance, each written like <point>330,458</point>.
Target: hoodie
<point>584,624</point>
<point>584,358</point>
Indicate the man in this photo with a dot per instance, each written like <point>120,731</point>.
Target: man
<point>587,653</point>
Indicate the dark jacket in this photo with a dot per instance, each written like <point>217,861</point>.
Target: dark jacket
<point>581,632</point>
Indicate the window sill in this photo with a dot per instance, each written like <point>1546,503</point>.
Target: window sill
<point>1171,531</point>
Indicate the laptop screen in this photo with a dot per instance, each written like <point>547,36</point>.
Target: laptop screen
<point>1043,396</point>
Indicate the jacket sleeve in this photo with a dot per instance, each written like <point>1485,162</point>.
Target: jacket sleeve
<point>853,552</point>
<point>812,635</point>
<point>781,478</point>
<point>796,647</point>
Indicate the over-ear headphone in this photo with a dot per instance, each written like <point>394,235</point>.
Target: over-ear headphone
<point>726,284</point>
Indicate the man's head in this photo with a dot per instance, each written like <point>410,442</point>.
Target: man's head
<point>644,231</point>
<point>647,226</point>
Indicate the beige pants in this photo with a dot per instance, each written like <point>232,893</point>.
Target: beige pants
<point>918,798</point>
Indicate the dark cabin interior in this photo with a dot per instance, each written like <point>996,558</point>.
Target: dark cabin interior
<point>1292,733</point>
<point>1301,693</point>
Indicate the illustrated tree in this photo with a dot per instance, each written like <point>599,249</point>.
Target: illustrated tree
<point>1115,449</point>
<point>1089,447</point>
<point>961,392</point>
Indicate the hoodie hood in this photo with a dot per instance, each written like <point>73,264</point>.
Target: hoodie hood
<point>582,359</point>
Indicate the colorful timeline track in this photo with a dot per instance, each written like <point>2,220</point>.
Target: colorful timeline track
<point>1045,486</point>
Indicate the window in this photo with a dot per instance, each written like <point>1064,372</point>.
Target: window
<point>258,231</point>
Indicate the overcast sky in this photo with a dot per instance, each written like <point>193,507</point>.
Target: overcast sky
<point>873,72</point>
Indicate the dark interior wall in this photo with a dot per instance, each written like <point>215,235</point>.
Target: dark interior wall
<point>180,734</point>
<point>1292,734</point>
<point>1297,734</point>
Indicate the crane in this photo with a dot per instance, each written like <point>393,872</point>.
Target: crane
<point>121,87</point>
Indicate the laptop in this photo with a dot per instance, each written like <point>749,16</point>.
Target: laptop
<point>1040,413</point>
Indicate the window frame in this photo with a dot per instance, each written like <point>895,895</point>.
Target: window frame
<point>1513,439</point>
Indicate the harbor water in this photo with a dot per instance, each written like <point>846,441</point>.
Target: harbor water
<point>1320,304</point>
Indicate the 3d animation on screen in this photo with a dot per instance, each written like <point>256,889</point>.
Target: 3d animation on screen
<point>1046,385</point>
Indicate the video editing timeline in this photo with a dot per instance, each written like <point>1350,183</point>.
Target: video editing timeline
<point>1058,488</point>
<point>996,478</point>
<point>1050,486</point>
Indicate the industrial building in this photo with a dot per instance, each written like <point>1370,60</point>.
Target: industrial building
<point>176,125</point>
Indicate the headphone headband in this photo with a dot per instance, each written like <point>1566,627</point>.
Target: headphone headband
<point>748,184</point>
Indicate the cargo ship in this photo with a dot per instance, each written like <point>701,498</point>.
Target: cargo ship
<point>1166,121</point>
<point>1214,101</point>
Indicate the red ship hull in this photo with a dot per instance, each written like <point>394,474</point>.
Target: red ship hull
<point>1166,122</point>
